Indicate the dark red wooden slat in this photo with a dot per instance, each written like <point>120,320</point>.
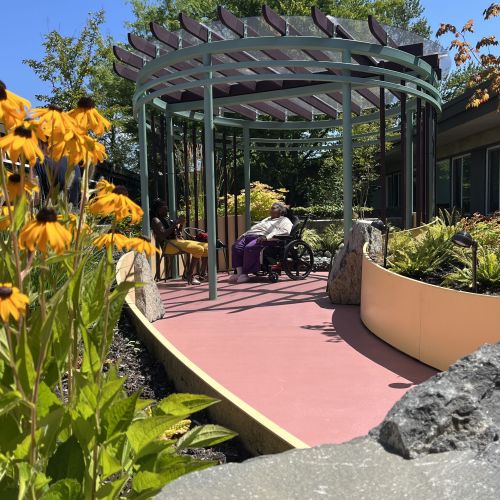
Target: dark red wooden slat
<point>193,27</point>
<point>163,35</point>
<point>378,31</point>
<point>127,57</point>
<point>274,20</point>
<point>415,49</point>
<point>322,22</point>
<point>142,45</point>
<point>232,22</point>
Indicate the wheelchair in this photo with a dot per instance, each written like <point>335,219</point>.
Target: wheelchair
<point>288,254</point>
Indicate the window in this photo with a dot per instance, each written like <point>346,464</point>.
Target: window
<point>443,184</point>
<point>461,191</point>
<point>392,189</point>
<point>493,179</point>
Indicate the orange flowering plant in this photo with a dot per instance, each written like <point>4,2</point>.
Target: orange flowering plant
<point>67,428</point>
<point>486,80</point>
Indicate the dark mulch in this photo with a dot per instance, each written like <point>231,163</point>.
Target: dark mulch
<point>145,373</point>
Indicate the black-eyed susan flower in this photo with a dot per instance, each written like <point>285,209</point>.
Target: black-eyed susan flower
<point>71,146</point>
<point>23,140</point>
<point>116,203</point>
<point>12,302</point>
<point>87,116</point>
<point>5,217</point>
<point>115,238</point>
<point>16,186</point>
<point>45,231</point>
<point>72,222</point>
<point>103,187</point>
<point>54,120</point>
<point>142,244</point>
<point>95,152</point>
<point>12,107</point>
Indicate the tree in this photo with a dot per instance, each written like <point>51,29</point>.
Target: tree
<point>80,65</point>
<point>405,14</point>
<point>458,81</point>
<point>70,62</point>
<point>485,80</point>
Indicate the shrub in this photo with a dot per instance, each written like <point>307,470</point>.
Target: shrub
<point>331,238</point>
<point>319,211</point>
<point>262,197</point>
<point>488,269</point>
<point>420,256</point>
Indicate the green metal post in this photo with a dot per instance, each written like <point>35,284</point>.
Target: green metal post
<point>172,201</point>
<point>409,169</point>
<point>143,160</point>
<point>246,168</point>
<point>208,111</point>
<point>347,148</point>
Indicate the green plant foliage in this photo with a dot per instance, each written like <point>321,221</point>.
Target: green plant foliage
<point>331,238</point>
<point>420,256</point>
<point>262,197</point>
<point>312,238</point>
<point>488,269</point>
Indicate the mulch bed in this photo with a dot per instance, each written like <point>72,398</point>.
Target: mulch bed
<point>145,373</point>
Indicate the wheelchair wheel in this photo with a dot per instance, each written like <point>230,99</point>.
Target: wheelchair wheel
<point>273,277</point>
<point>298,260</point>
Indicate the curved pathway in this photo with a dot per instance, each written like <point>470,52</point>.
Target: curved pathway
<point>283,348</point>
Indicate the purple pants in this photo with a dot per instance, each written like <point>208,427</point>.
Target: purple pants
<point>246,253</point>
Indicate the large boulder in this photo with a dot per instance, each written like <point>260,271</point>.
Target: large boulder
<point>147,297</point>
<point>441,440</point>
<point>456,410</point>
<point>344,280</point>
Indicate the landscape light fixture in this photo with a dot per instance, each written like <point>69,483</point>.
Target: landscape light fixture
<point>465,240</point>
<point>384,229</point>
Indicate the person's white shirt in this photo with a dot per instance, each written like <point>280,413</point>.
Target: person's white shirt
<point>281,226</point>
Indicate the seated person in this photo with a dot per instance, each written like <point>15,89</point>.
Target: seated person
<point>246,249</point>
<point>169,235</point>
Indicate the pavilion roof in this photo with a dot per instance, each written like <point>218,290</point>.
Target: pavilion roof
<point>253,72</point>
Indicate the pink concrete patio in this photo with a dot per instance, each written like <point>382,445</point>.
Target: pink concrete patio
<point>283,348</point>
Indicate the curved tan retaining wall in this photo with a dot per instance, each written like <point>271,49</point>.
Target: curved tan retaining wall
<point>258,433</point>
<point>433,324</point>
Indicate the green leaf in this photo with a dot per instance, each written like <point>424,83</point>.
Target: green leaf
<point>119,415</point>
<point>150,483</point>
<point>65,489</point>
<point>67,461</point>
<point>142,432</point>
<point>20,213</point>
<point>185,404</point>
<point>9,400</point>
<point>47,400</point>
<point>204,435</point>
<point>111,490</point>
<point>109,463</point>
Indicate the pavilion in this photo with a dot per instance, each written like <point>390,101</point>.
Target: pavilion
<point>248,76</point>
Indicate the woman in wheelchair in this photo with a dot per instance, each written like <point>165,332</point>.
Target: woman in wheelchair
<point>247,248</point>
<point>168,234</point>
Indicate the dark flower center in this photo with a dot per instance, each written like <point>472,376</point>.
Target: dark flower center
<point>5,292</point>
<point>15,178</point>
<point>120,190</point>
<point>86,103</point>
<point>3,94</point>
<point>46,215</point>
<point>115,232</point>
<point>23,132</point>
<point>53,107</point>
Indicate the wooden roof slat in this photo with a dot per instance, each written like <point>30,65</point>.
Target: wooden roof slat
<point>322,21</point>
<point>172,40</point>
<point>378,31</point>
<point>276,22</point>
<point>202,33</point>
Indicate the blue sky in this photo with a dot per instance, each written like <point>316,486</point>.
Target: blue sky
<point>26,21</point>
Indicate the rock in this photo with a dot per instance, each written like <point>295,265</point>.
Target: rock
<point>147,297</point>
<point>441,440</point>
<point>328,254</point>
<point>455,410</point>
<point>360,469</point>
<point>344,281</point>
